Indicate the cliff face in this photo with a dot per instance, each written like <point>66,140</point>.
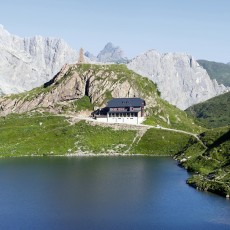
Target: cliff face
<point>180,79</point>
<point>26,63</point>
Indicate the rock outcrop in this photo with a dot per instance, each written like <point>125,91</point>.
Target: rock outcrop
<point>180,79</point>
<point>26,63</point>
<point>99,83</point>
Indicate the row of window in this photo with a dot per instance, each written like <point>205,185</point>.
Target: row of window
<point>126,109</point>
<point>118,109</point>
<point>122,114</point>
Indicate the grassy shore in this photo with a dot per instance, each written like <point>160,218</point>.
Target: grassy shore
<point>210,165</point>
<point>46,134</point>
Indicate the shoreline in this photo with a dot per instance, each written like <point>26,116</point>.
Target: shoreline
<point>69,155</point>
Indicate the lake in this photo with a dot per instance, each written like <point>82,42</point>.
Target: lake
<point>113,193</point>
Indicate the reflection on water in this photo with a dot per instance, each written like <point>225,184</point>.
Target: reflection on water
<point>104,193</point>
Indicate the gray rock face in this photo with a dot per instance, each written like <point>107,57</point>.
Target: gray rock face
<point>180,79</point>
<point>110,53</point>
<point>26,63</point>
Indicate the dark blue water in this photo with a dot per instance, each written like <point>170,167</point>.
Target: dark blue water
<point>104,193</point>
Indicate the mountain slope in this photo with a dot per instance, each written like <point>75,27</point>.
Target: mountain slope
<point>218,71</point>
<point>214,112</point>
<point>212,164</point>
<point>81,86</point>
<point>26,63</point>
<point>180,79</point>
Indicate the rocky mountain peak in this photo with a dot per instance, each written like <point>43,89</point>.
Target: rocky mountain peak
<point>110,46</point>
<point>26,63</point>
<point>110,53</point>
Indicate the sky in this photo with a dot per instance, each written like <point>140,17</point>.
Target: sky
<point>196,27</point>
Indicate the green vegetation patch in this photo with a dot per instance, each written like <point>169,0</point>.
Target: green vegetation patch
<point>169,116</point>
<point>216,154</point>
<point>211,164</point>
<point>34,135</point>
<point>205,184</point>
<point>161,142</point>
<point>45,134</point>
<point>83,104</point>
<point>97,139</point>
<point>212,113</point>
<point>53,135</point>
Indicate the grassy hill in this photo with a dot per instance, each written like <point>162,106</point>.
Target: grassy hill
<point>212,113</point>
<point>211,165</point>
<point>218,71</point>
<point>35,134</point>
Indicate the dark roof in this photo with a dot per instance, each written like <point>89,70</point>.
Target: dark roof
<point>125,102</point>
